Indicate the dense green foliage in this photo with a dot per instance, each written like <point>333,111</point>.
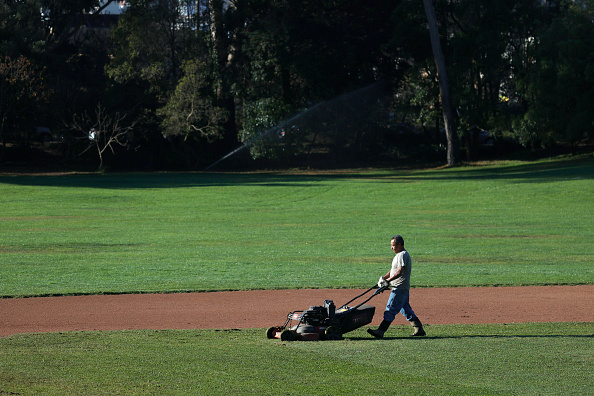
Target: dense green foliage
<point>552,358</point>
<point>521,70</point>
<point>502,224</point>
<point>561,85</point>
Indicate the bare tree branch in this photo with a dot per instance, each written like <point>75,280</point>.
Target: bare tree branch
<point>103,131</point>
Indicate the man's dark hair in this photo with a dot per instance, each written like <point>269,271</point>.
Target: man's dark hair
<point>398,239</point>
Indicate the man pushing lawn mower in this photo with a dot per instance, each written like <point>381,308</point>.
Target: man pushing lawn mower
<point>329,323</point>
<point>399,279</point>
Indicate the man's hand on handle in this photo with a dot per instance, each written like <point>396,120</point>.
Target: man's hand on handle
<point>382,282</point>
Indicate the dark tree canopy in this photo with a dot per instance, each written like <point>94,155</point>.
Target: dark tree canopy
<point>199,78</point>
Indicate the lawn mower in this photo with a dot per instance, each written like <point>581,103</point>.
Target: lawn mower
<point>326,322</point>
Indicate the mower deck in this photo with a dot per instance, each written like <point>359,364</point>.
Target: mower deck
<point>324,322</point>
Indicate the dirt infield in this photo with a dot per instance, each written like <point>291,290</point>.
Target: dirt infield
<point>255,309</point>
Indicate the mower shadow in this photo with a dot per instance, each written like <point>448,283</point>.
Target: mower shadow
<point>445,337</point>
<point>370,338</point>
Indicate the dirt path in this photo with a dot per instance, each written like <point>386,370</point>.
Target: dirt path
<point>256,309</point>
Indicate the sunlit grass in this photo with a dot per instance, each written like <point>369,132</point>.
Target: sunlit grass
<point>538,358</point>
<point>499,224</point>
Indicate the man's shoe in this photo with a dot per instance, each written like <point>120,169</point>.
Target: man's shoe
<point>376,333</point>
<point>418,326</point>
<point>379,333</point>
<point>419,332</point>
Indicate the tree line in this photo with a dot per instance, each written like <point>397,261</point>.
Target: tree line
<point>180,83</point>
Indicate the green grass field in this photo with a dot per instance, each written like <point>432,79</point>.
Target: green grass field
<point>510,223</point>
<point>503,224</point>
<point>521,359</point>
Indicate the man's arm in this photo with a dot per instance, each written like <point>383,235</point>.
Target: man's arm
<point>398,272</point>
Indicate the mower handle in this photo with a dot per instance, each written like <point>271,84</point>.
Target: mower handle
<point>378,291</point>
<point>381,289</point>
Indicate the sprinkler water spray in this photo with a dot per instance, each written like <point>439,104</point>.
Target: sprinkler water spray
<point>346,112</point>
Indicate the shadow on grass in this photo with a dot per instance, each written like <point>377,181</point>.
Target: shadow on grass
<point>466,336</point>
<point>542,171</point>
<point>582,168</point>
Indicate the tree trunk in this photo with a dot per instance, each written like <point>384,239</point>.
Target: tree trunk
<point>453,154</point>
<point>218,40</point>
<point>223,58</point>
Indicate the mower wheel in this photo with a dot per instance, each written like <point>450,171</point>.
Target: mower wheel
<point>270,332</point>
<point>288,335</point>
<point>333,333</point>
